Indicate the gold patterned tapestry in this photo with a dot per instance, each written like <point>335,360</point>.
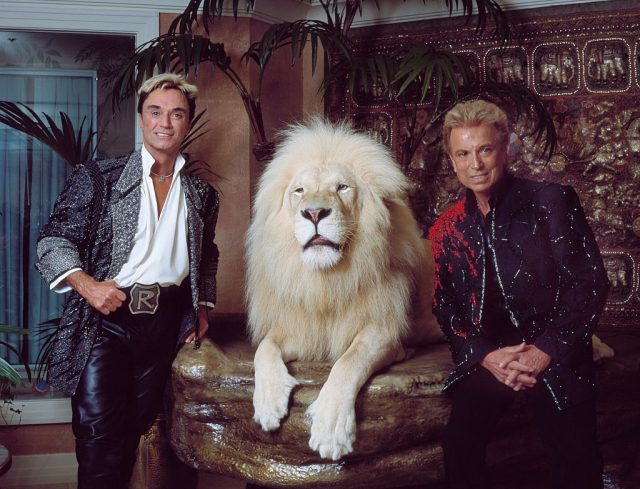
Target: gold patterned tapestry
<point>586,69</point>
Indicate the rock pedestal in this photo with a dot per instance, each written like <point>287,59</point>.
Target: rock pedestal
<point>401,414</point>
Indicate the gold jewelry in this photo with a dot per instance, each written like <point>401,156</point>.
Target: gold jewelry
<point>162,178</point>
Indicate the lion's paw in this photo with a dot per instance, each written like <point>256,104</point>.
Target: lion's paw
<point>333,426</point>
<point>271,397</point>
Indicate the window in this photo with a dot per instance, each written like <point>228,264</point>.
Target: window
<point>51,73</point>
<point>31,177</point>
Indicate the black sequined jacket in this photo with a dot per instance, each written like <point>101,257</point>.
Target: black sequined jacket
<point>92,227</point>
<point>549,271</point>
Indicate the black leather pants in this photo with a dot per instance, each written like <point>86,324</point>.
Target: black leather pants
<point>121,390</point>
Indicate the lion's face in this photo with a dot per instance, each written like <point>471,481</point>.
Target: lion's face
<point>323,206</point>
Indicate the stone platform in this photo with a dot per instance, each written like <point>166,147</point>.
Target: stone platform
<point>401,416</point>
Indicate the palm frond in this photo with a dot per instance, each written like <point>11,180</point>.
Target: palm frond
<point>520,102</point>
<point>429,68</point>
<point>13,329</point>
<point>196,130</point>
<point>9,373</point>
<point>208,10</point>
<point>296,35</point>
<point>179,53</point>
<point>487,10</point>
<point>199,168</point>
<point>45,333</point>
<point>73,146</point>
<point>202,170</point>
<point>366,72</point>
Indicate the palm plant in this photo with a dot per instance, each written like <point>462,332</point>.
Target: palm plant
<point>442,75</point>
<point>8,374</point>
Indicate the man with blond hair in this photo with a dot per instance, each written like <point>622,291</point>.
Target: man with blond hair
<point>131,238</point>
<point>520,285</point>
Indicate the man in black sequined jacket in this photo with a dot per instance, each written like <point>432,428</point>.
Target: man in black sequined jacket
<point>108,188</point>
<point>519,288</point>
<point>133,237</point>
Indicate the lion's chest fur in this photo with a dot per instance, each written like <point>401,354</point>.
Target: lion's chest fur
<point>320,317</point>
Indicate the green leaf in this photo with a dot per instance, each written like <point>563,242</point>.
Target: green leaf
<point>183,23</point>
<point>487,10</point>
<point>63,140</point>
<point>13,329</point>
<point>9,373</point>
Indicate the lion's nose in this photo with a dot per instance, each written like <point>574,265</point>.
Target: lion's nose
<point>315,215</point>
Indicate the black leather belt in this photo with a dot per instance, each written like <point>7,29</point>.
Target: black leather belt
<point>150,301</point>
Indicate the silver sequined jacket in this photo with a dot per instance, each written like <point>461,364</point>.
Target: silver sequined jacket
<point>549,271</point>
<point>92,227</point>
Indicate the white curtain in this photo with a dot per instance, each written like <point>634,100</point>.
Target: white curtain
<point>31,177</point>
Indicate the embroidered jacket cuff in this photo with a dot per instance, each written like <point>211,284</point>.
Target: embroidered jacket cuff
<point>56,256</point>
<point>551,346</point>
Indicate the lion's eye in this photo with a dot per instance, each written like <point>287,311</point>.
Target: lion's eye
<point>298,191</point>
<point>342,187</point>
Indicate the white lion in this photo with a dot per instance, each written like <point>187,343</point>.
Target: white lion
<point>334,259</point>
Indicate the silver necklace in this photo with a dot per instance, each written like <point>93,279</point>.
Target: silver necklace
<point>162,178</point>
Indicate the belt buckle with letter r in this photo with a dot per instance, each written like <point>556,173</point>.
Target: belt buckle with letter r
<point>144,299</point>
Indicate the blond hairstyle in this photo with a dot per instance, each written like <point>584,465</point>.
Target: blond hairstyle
<point>474,113</point>
<point>168,81</point>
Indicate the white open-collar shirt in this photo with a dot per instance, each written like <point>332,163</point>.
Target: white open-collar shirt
<point>160,251</point>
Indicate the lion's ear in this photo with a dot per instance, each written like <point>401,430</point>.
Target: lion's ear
<point>270,198</point>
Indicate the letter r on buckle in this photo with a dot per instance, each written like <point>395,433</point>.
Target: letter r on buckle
<point>144,299</point>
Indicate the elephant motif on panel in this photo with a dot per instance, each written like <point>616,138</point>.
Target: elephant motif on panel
<point>607,65</point>
<point>556,69</point>
<point>507,66</point>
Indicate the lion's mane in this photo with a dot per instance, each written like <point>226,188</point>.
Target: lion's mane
<point>319,311</point>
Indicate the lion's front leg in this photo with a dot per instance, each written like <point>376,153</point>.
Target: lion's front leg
<point>273,385</point>
<point>333,417</point>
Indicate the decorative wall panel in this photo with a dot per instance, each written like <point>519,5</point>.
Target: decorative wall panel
<point>586,69</point>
